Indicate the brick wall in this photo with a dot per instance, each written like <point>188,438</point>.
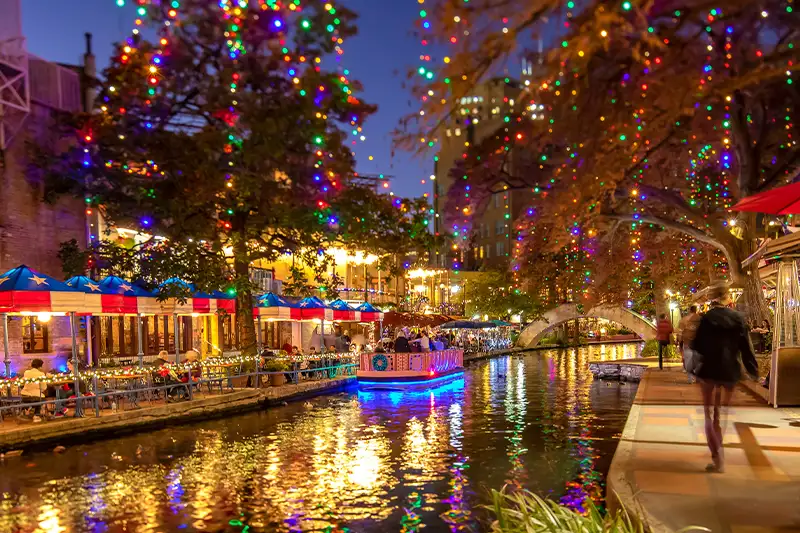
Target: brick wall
<point>30,229</point>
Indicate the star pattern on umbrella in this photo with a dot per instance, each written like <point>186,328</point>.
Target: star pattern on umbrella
<point>125,287</point>
<point>38,280</point>
<point>3,280</point>
<point>93,287</point>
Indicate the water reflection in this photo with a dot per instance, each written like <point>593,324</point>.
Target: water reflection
<point>363,462</point>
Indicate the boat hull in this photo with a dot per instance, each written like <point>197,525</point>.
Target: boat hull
<point>403,380</point>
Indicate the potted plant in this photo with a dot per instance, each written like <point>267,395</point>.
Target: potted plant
<point>276,380</point>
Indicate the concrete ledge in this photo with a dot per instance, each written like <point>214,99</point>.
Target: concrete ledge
<point>70,429</point>
<point>614,370</point>
<point>480,356</point>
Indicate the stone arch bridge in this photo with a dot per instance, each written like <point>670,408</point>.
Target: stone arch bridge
<point>635,322</point>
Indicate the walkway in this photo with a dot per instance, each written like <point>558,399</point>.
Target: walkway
<point>658,469</point>
<point>19,434</point>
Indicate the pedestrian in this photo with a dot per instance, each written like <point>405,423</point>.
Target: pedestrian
<point>664,337</point>
<point>687,329</point>
<point>722,345</point>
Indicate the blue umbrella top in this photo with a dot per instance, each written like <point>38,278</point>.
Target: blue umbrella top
<point>121,287</point>
<point>23,278</point>
<point>273,300</point>
<point>85,284</point>
<point>311,302</point>
<point>341,305</point>
<point>368,308</point>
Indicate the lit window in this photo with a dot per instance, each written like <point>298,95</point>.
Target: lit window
<point>35,335</point>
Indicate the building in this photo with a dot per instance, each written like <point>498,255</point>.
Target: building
<point>32,90</point>
<point>479,116</point>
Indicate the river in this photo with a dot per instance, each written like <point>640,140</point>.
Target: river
<point>368,461</point>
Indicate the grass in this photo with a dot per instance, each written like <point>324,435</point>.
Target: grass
<point>525,512</point>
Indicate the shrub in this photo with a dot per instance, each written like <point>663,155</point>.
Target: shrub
<point>525,512</point>
<point>651,350</point>
<point>275,366</point>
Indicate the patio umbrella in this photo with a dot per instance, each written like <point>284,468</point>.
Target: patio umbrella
<point>370,313</point>
<point>23,290</point>
<point>276,307</point>
<point>342,311</point>
<point>779,201</point>
<point>501,323</point>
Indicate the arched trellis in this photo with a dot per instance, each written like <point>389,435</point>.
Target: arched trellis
<point>533,333</point>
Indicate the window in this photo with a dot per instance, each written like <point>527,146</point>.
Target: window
<point>500,248</point>
<point>35,335</point>
<point>481,253</point>
<point>497,198</point>
<point>499,227</point>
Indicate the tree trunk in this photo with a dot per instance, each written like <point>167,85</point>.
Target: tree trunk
<point>752,302</point>
<point>244,299</point>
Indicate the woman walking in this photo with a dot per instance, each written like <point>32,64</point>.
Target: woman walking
<point>722,344</point>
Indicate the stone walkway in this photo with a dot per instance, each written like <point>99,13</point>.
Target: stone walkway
<point>658,470</point>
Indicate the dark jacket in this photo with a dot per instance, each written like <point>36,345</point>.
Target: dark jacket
<point>401,345</point>
<point>723,344</point>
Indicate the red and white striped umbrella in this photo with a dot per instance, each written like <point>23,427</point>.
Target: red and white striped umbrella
<point>23,290</point>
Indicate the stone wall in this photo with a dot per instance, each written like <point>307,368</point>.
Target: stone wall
<point>617,371</point>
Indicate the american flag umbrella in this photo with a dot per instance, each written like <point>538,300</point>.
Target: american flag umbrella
<point>370,313</point>
<point>92,294</point>
<point>342,311</point>
<point>174,306</point>
<point>312,307</point>
<point>779,201</point>
<point>23,290</point>
<point>273,306</point>
<point>123,297</point>
<point>225,302</point>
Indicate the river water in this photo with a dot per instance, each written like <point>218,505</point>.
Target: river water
<point>356,461</point>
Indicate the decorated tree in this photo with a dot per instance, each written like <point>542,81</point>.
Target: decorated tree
<point>226,140</point>
<point>660,113</point>
<point>492,293</point>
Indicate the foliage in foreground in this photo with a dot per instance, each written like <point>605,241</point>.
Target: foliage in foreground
<point>651,350</point>
<point>525,512</point>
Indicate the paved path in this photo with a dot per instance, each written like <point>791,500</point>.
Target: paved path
<point>658,469</point>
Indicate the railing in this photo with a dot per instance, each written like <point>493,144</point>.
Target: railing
<point>115,392</point>
<point>438,361</point>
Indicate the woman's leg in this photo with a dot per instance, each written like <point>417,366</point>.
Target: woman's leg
<point>711,413</point>
<point>722,399</point>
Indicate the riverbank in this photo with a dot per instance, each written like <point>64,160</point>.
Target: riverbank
<point>658,474</point>
<point>15,434</point>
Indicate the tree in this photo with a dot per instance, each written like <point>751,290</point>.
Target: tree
<point>657,113</point>
<point>492,293</point>
<point>226,137</point>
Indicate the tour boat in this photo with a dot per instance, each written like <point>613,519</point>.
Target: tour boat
<point>400,371</point>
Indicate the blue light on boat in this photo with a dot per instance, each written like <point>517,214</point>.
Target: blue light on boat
<point>408,383</point>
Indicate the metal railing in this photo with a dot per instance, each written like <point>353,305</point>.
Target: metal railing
<point>144,389</point>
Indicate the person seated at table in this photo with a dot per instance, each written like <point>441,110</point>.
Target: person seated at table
<point>296,351</point>
<point>67,390</point>
<point>161,359</point>
<point>193,358</point>
<point>32,392</point>
<point>331,350</point>
<point>312,351</point>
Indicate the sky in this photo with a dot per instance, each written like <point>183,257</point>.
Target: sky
<point>378,57</point>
